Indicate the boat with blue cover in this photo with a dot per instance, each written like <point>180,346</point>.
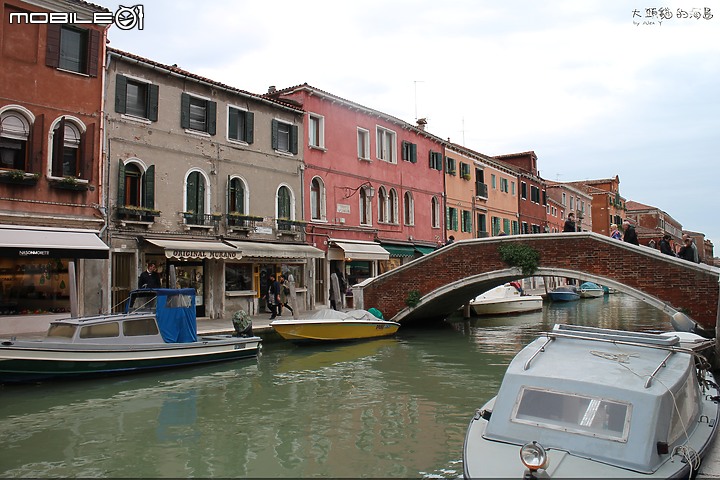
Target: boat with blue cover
<point>158,330</point>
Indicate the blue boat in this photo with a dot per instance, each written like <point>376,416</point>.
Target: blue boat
<point>567,293</point>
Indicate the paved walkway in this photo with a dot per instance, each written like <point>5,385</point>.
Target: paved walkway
<point>260,323</point>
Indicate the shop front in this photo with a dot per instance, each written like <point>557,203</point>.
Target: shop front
<point>39,268</point>
<point>247,279</point>
<point>355,261</point>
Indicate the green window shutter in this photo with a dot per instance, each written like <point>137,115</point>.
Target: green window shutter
<point>404,150</point>
<point>413,153</point>
<point>191,193</point>
<point>153,101</point>
<point>233,114</point>
<point>120,93</point>
<point>447,218</point>
<point>294,139</point>
<point>211,117</point>
<point>149,201</point>
<point>455,219</point>
<point>432,159</point>
<point>249,127</point>
<point>200,194</point>
<point>274,135</point>
<point>185,110</point>
<point>121,184</point>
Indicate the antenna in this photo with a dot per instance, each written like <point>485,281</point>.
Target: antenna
<point>415,82</point>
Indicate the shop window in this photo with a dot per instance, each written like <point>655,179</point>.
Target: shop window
<point>34,286</point>
<point>238,276</point>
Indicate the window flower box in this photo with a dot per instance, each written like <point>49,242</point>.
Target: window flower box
<point>18,177</point>
<point>69,183</point>
<point>134,211</point>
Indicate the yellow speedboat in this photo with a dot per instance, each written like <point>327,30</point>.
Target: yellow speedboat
<point>333,325</point>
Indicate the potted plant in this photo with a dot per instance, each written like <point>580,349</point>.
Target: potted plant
<point>18,177</point>
<point>69,182</point>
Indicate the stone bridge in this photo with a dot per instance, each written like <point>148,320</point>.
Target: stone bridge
<point>449,277</point>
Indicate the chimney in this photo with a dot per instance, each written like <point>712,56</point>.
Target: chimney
<point>272,89</point>
<point>421,122</point>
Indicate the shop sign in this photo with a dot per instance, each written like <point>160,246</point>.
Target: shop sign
<point>343,208</point>
<point>34,253</point>
<point>201,254</point>
<point>264,230</point>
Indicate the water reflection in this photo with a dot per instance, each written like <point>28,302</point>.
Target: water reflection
<point>393,407</point>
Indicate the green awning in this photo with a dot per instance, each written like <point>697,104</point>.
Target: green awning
<point>400,250</point>
<point>424,250</point>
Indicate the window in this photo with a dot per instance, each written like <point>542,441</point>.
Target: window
<point>436,160</point>
<point>382,205</point>
<point>450,166</point>
<point>73,49</point>
<point>481,225</point>
<point>466,221</point>
<point>135,186</point>
<point>363,140</point>
<point>523,190</point>
<point>451,219</point>
<point>572,203</point>
<point>68,149</point>
<point>495,226</point>
<point>393,206</point>
<point>198,114</point>
<point>409,209</point>
<point>237,196</point>
<point>435,212</point>
<point>284,203</point>
<point>512,188</point>
<point>493,181</point>
<point>506,226</point>
<point>14,137</point>
<point>465,170</point>
<point>284,137</point>
<point>103,330</point>
<point>481,189</point>
<point>409,152</point>
<point>515,227</point>
<point>140,327</point>
<point>365,207</point>
<point>316,131</point>
<point>386,145</point>
<point>534,194</point>
<point>504,185</point>
<point>238,276</point>
<point>195,198</point>
<point>136,98</point>
<point>564,199</point>
<point>240,125</point>
<point>317,199</point>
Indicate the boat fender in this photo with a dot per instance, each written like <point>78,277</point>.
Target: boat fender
<point>482,413</point>
<point>7,343</point>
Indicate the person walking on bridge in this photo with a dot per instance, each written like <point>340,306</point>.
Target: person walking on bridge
<point>629,234</point>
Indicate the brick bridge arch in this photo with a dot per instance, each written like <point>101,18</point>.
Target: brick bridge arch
<point>450,276</point>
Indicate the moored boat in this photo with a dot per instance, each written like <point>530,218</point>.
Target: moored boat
<point>333,325</point>
<point>567,293</point>
<point>588,402</point>
<point>505,299</point>
<point>590,290</point>
<point>158,330</point>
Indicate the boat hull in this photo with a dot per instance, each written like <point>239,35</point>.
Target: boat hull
<point>40,361</point>
<point>507,306</point>
<point>327,331</point>
<point>591,293</point>
<point>563,296</point>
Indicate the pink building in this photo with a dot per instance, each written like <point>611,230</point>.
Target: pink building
<point>373,187</point>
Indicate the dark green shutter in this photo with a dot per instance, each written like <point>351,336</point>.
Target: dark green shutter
<point>233,114</point>
<point>211,117</point>
<point>413,153</point>
<point>185,110</point>
<point>274,135</point>
<point>191,194</point>
<point>293,139</point>
<point>249,127</point>
<point>404,150</point>
<point>121,184</point>
<point>58,146</point>
<point>200,194</point>
<point>432,159</point>
<point>120,93</point>
<point>153,100</point>
<point>150,188</point>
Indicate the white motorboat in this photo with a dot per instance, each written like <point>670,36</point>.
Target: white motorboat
<point>583,402</point>
<point>590,290</point>
<point>505,299</point>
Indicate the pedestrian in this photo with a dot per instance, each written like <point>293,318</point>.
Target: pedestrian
<point>629,234</point>
<point>570,223</point>
<point>284,296</point>
<point>665,245</point>
<point>149,278</point>
<point>688,251</point>
<point>614,232</point>
<point>273,296</point>
<point>450,240</point>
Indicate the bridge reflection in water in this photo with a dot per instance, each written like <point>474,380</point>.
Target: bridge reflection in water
<point>390,408</point>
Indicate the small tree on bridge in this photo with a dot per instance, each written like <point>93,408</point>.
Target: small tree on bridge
<point>522,256</point>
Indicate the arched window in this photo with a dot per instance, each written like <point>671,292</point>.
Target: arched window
<point>409,209</point>
<point>236,196</point>
<point>435,212</point>
<point>382,205</point>
<point>136,185</point>
<point>195,199</point>
<point>133,185</point>
<point>66,149</point>
<point>393,206</point>
<point>284,203</point>
<point>14,135</point>
<point>365,206</point>
<point>317,199</point>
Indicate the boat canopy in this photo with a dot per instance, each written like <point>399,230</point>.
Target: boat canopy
<point>174,310</point>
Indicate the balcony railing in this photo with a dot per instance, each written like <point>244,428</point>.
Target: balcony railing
<point>235,220</point>
<point>289,226</point>
<point>137,213</point>
<point>199,219</point>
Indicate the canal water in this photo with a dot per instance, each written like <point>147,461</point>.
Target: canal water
<point>394,407</point>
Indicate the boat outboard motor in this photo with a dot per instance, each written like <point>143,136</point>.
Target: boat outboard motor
<point>242,324</point>
<point>683,323</point>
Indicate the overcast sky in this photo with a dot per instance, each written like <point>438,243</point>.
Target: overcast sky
<point>588,85</point>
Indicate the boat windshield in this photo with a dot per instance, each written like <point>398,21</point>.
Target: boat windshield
<point>61,330</point>
<point>585,415</point>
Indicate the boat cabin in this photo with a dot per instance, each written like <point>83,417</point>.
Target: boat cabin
<point>151,316</point>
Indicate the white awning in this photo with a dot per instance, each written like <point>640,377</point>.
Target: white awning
<point>199,249</point>
<point>277,250</point>
<point>43,242</point>
<point>362,250</point>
